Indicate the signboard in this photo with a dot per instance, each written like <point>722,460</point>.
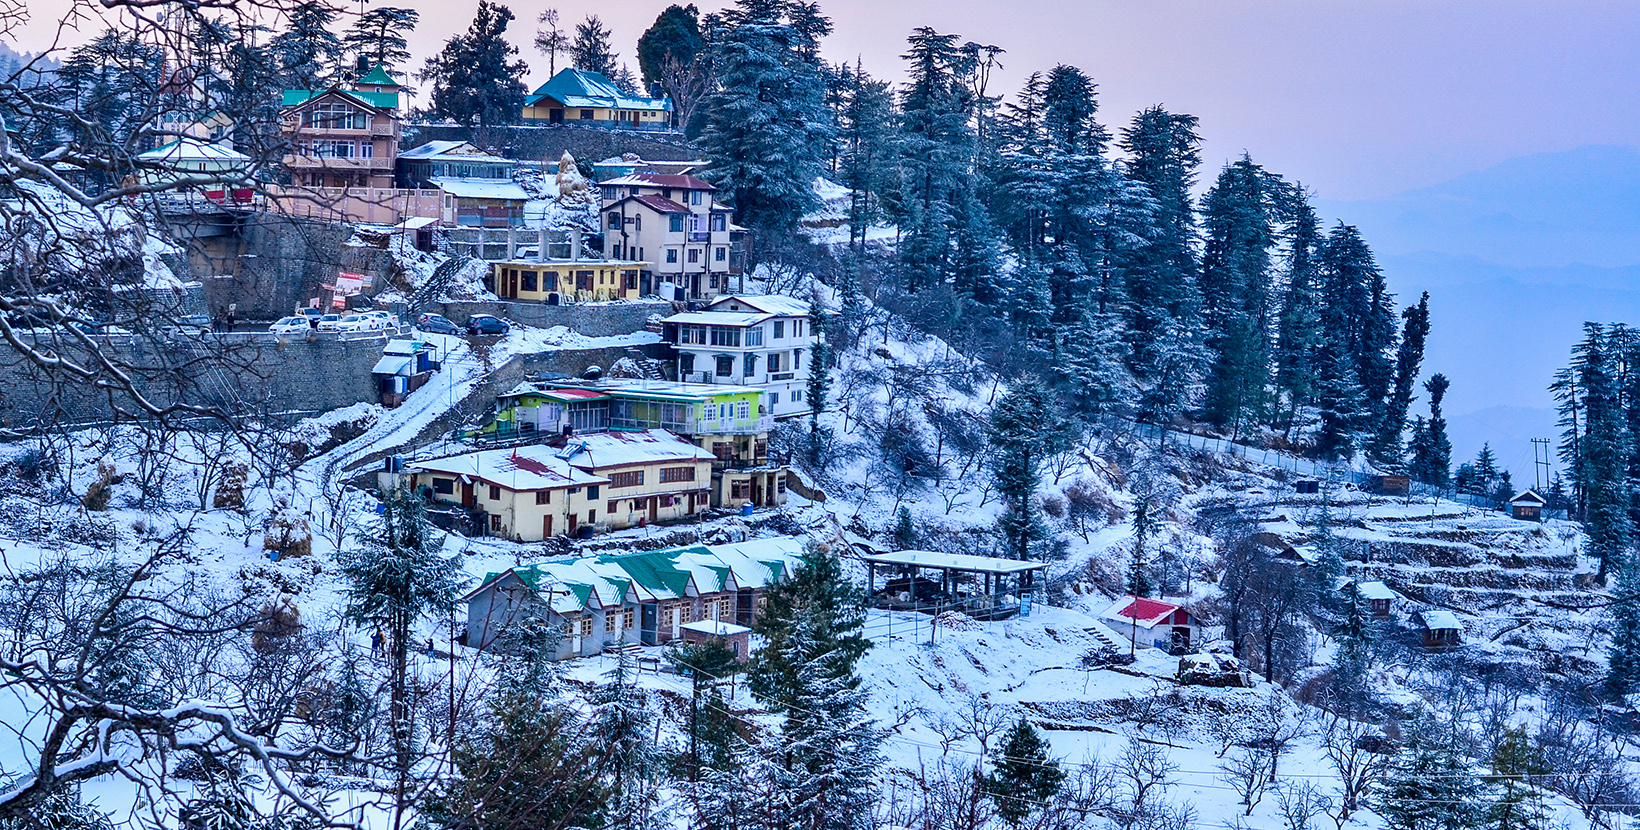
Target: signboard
<point>1024,605</point>
<point>339,302</point>
<point>349,284</point>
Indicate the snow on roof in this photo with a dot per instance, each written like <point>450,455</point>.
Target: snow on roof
<point>1529,497</point>
<point>1374,590</point>
<point>391,364</point>
<point>581,88</point>
<point>443,149</point>
<point>716,628</point>
<point>602,450</point>
<point>645,387</point>
<point>416,222</point>
<point>1306,553</point>
<point>522,469</point>
<point>1147,613</point>
<point>766,303</point>
<point>719,318</point>
<point>646,179</point>
<point>192,149</point>
<point>658,575</point>
<point>1437,619</point>
<point>405,347</point>
<point>953,561</point>
<point>659,204</point>
<point>480,188</point>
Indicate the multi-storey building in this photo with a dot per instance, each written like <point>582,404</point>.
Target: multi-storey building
<point>343,137</point>
<point>762,341</point>
<point>674,222</point>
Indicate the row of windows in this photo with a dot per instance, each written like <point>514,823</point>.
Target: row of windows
<point>673,474</point>
<point>719,254</point>
<point>629,478</point>
<point>689,197</point>
<point>335,149</point>
<point>337,116</point>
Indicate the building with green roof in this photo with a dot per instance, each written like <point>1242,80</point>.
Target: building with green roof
<point>588,98</point>
<point>641,597</point>
<point>343,136</point>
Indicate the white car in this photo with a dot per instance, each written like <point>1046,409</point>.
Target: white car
<point>291,325</point>
<point>359,322</point>
<point>389,319</point>
<point>328,322</point>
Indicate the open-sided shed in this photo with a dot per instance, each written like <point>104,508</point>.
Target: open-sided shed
<point>981,586</point>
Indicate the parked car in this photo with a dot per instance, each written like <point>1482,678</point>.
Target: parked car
<point>388,318</point>
<point>312,315</point>
<point>328,322</point>
<point>291,325</point>
<point>188,325</point>
<point>437,324</point>
<point>359,322</point>
<point>487,324</point>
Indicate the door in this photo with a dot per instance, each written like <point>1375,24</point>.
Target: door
<point>546,527</point>
<point>654,509</point>
<point>743,607</point>
<point>694,285</point>
<point>556,116</point>
<point>572,518</point>
<point>468,499</point>
<point>646,623</point>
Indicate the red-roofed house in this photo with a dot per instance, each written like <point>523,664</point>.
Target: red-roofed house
<point>1151,623</point>
<point>672,221</point>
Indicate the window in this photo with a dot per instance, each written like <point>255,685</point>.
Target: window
<point>740,489</point>
<point>495,523</point>
<point>718,254</point>
<point>725,336</point>
<point>672,255</point>
<point>797,359</point>
<point>495,493</point>
<point>672,474</point>
<point>445,486</point>
<point>797,396</point>
<point>543,497</point>
<point>614,221</point>
<point>629,478</point>
<point>694,255</point>
<point>586,115</point>
<point>592,494</point>
<point>676,223</point>
<point>719,222</point>
<point>628,618</point>
<point>714,280</point>
<point>779,329</point>
<point>774,399</point>
<point>613,506</point>
<point>751,365</point>
<point>774,362</point>
<point>366,149</point>
<point>780,485</point>
<point>583,626</point>
<point>694,197</point>
<point>754,336</point>
<point>637,222</point>
<point>725,365</point>
<point>612,619</point>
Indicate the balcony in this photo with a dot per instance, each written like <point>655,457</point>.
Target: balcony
<point>779,376</point>
<point>739,426</point>
<point>339,163</point>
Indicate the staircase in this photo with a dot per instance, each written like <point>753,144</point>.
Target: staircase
<point>442,276</point>
<point>1104,638</point>
<point>648,368</point>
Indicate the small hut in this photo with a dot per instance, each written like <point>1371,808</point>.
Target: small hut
<point>737,637</point>
<point>404,367</point>
<point>1392,485</point>
<point>1438,629</point>
<point>1151,623</point>
<point>1378,596</point>
<point>1528,506</point>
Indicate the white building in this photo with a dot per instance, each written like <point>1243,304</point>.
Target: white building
<point>761,341</point>
<point>674,222</point>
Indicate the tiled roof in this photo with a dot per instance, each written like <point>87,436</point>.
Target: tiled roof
<point>656,203</point>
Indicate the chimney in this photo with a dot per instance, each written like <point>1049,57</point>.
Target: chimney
<point>363,66</point>
<point>655,89</point>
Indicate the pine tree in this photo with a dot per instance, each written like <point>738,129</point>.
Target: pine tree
<point>1431,449</point>
<point>62,809</point>
<point>674,38</point>
<point>1358,317</point>
<point>1429,787</point>
<point>1386,450</point>
<point>1138,576</point>
<point>1515,762</point>
<point>1021,424</point>
<point>766,131</point>
<point>1342,406</point>
<point>622,723</point>
<point>1299,337</point>
<point>1353,632</point>
<point>865,161</point>
<point>1090,363</point>
<point>828,744</point>
<point>905,533</point>
<point>397,575</point>
<point>936,152</point>
<point>476,80</point>
<point>528,763</point>
<point>1239,215</point>
<point>1023,776</point>
<point>308,53</point>
<point>590,50</point>
<point>1329,563</point>
<point>378,36</point>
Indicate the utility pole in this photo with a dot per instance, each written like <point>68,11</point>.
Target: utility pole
<point>1540,466</point>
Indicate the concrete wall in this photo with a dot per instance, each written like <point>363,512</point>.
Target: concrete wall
<point>238,372</point>
<point>592,320</point>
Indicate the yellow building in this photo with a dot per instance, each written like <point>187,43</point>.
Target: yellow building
<point>566,281</point>
<point>589,98</point>
<point>654,476</point>
<point>525,494</point>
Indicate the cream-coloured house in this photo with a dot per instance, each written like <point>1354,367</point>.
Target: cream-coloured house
<point>526,494</point>
<point>653,475</point>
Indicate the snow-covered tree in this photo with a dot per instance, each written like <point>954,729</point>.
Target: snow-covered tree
<point>378,36</point>
<point>1024,778</point>
<point>1022,425</point>
<point>589,50</point>
<point>308,52</point>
